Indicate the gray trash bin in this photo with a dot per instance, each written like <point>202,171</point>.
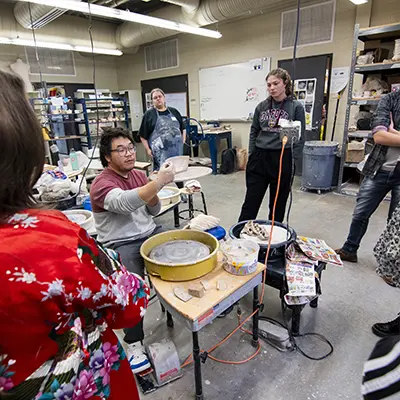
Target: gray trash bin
<point>318,164</point>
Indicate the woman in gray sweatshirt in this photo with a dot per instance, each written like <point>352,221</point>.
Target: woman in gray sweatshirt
<point>265,147</point>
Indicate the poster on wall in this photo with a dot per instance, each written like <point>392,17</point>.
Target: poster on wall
<point>339,79</point>
<point>149,102</point>
<point>304,90</point>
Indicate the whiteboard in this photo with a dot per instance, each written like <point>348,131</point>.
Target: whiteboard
<point>232,92</point>
<point>178,101</point>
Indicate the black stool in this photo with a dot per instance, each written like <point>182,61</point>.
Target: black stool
<point>191,210</point>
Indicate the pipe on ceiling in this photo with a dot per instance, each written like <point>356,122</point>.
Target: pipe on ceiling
<point>192,13</point>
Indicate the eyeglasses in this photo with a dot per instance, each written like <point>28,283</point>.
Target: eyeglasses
<point>123,151</point>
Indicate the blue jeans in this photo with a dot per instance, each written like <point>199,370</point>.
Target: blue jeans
<point>372,191</point>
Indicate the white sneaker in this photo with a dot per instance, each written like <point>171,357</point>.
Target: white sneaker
<point>137,357</point>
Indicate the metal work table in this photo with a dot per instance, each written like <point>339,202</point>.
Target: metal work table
<point>212,137</point>
<point>197,313</point>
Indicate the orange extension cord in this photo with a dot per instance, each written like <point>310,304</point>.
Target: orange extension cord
<point>189,360</point>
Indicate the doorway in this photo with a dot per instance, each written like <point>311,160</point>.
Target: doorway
<point>312,83</point>
<point>176,89</point>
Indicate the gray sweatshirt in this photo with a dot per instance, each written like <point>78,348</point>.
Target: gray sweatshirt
<point>119,213</point>
<point>263,133</point>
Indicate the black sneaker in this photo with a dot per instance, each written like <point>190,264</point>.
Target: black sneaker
<point>390,328</point>
<point>346,256</point>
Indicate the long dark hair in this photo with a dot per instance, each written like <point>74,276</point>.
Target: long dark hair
<point>21,147</point>
<point>285,76</point>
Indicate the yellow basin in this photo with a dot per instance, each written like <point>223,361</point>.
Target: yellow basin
<point>180,272</point>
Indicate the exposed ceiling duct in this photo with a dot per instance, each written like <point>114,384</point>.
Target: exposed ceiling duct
<point>192,13</point>
<point>110,3</point>
<point>41,15</point>
<point>188,6</point>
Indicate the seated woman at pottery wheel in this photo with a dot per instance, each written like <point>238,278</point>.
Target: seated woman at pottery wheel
<point>124,204</point>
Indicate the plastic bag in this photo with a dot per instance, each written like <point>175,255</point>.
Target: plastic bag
<point>242,157</point>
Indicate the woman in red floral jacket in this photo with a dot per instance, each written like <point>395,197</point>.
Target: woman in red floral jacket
<point>60,294</point>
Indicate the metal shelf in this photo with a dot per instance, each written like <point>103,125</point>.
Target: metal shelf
<point>350,165</point>
<point>360,134</point>
<point>383,32</point>
<point>101,122</point>
<point>388,67</point>
<point>359,101</point>
<point>66,138</point>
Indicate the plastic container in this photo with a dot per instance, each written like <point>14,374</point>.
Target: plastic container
<point>319,164</point>
<point>241,256</point>
<point>74,160</point>
<point>168,195</point>
<point>218,232</point>
<point>277,256</point>
<point>87,205</point>
<point>83,218</point>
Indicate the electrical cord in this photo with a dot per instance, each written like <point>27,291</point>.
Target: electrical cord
<point>45,121</point>
<point>189,360</point>
<point>94,84</point>
<point>96,101</point>
<point>294,341</point>
<point>36,48</point>
<point>284,324</point>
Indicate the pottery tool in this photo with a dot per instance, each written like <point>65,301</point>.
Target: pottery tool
<point>205,285</point>
<point>181,294</point>
<point>222,285</point>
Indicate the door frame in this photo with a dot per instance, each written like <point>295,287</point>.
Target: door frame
<point>327,94</point>
<point>162,82</point>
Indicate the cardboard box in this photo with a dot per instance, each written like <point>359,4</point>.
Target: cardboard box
<point>355,152</point>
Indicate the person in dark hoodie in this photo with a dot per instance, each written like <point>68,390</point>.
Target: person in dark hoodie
<point>265,147</point>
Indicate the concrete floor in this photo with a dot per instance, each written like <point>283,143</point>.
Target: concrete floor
<point>353,298</point>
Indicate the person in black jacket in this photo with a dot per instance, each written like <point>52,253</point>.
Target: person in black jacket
<point>265,147</point>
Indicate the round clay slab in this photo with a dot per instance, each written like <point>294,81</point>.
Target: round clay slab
<point>180,252</point>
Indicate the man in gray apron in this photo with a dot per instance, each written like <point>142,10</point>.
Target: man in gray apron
<point>162,131</point>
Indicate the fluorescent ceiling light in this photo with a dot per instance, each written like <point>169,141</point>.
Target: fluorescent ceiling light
<point>122,15</point>
<point>358,2</point>
<point>59,46</point>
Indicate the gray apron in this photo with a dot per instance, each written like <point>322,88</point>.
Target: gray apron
<point>166,139</point>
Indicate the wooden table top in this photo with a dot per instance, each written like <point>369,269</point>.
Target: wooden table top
<point>197,307</point>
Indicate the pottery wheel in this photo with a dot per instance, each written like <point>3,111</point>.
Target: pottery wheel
<point>180,252</point>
